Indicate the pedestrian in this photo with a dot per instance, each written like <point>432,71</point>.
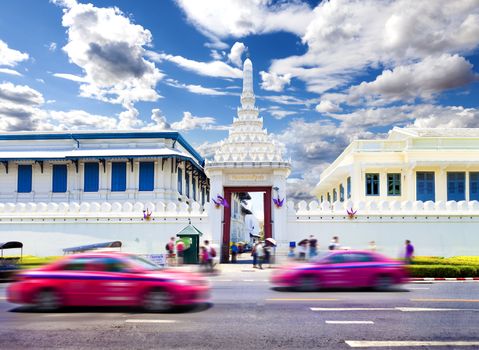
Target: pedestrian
<point>409,253</point>
<point>267,254</point>
<point>260,254</point>
<point>180,252</point>
<point>302,249</point>
<point>211,254</point>
<point>204,258</point>
<point>334,245</point>
<point>372,246</point>
<point>313,246</point>
<point>170,250</point>
<point>254,255</point>
<point>234,252</point>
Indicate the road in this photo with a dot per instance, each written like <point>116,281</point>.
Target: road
<point>246,313</point>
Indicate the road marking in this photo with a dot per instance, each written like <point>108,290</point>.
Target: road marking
<point>426,309</point>
<point>150,321</point>
<point>301,299</point>
<point>367,344</point>
<point>223,280</point>
<point>3,298</point>
<point>349,322</point>
<point>352,309</point>
<point>417,288</point>
<point>248,280</point>
<point>449,300</point>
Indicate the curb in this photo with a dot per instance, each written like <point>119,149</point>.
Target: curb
<point>444,279</point>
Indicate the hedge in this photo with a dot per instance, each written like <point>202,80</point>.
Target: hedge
<point>456,260</point>
<point>443,271</point>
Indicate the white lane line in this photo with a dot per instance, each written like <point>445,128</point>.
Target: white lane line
<point>248,280</point>
<point>3,298</point>
<point>384,344</point>
<point>150,321</point>
<point>402,309</point>
<point>349,322</point>
<point>417,288</point>
<point>223,280</point>
<point>352,309</point>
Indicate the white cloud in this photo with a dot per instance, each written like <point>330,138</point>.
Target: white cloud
<point>217,55</point>
<point>10,72</point>
<point>190,122</point>
<point>236,52</point>
<point>216,69</point>
<point>159,120</point>
<point>109,48</point>
<point>279,113</point>
<point>20,94</point>
<point>77,120</point>
<point>196,89</point>
<point>326,106</point>
<point>52,46</point>
<point>218,19</point>
<point>273,81</point>
<point>10,57</point>
<point>71,77</point>
<point>423,79</point>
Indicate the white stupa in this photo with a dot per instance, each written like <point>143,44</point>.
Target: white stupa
<point>248,141</point>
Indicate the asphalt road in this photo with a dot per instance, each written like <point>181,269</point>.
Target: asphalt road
<point>246,313</point>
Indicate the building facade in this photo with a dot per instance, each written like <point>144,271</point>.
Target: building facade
<point>428,165</point>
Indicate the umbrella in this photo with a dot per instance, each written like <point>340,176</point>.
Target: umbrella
<point>304,241</point>
<point>271,241</point>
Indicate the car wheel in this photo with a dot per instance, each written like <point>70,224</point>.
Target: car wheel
<point>157,300</point>
<point>383,282</point>
<point>308,284</point>
<point>47,300</point>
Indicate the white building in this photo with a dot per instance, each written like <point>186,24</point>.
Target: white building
<point>437,165</point>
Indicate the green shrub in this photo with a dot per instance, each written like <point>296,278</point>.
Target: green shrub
<point>442,271</point>
<point>456,260</point>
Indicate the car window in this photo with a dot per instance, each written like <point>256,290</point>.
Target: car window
<point>77,264</point>
<point>359,257</point>
<point>336,259</point>
<point>113,264</point>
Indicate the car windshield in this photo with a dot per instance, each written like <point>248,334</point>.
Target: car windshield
<point>144,263</point>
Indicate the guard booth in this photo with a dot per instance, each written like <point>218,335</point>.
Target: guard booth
<point>190,236</point>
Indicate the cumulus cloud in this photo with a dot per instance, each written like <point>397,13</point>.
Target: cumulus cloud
<point>71,77</point>
<point>326,106</point>
<point>77,120</point>
<point>190,122</point>
<point>20,94</point>
<point>159,121</point>
<point>423,79</point>
<point>279,113</point>
<point>10,57</point>
<point>216,69</point>
<point>236,52</point>
<point>218,19</point>
<point>273,81</point>
<point>110,50</point>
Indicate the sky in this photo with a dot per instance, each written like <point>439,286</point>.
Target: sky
<point>325,72</point>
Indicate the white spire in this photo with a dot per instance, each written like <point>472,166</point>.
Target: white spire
<point>248,76</point>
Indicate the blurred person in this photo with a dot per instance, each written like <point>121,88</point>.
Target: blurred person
<point>204,258</point>
<point>180,251</point>
<point>211,254</point>
<point>372,246</point>
<point>170,249</point>
<point>254,255</point>
<point>267,254</point>
<point>409,252</point>
<point>260,254</point>
<point>234,252</point>
<point>334,245</point>
<point>302,248</point>
<point>313,246</point>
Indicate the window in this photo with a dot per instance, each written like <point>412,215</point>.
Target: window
<point>394,184</point>
<point>180,181</point>
<point>341,193</point>
<point>187,181</point>
<point>329,197</point>
<point>474,186</point>
<point>118,176</point>
<point>372,184</point>
<point>203,196</point>
<point>90,177</point>
<point>425,188</point>
<point>322,198</point>
<point>359,257</point>
<point>194,189</point>
<point>24,181</point>
<point>147,176</point>
<point>59,178</point>
<point>348,187</point>
<point>456,186</point>
<point>335,195</point>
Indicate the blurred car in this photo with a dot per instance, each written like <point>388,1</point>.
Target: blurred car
<point>107,279</point>
<point>343,269</point>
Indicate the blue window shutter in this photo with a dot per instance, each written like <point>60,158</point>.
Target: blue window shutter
<point>24,184</point>
<point>147,176</point>
<point>474,186</point>
<point>180,181</point>
<point>118,176</point>
<point>187,181</point>
<point>91,177</point>
<point>425,188</point>
<point>456,186</point>
<point>59,178</point>
<point>194,189</point>
<point>349,187</point>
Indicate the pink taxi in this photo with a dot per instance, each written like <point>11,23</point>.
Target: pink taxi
<point>107,279</point>
<point>343,269</point>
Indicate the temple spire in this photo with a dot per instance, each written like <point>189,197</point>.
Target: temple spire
<point>247,96</point>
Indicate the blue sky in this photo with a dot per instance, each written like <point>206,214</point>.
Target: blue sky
<point>325,73</point>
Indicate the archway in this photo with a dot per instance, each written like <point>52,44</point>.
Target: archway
<point>226,236</point>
